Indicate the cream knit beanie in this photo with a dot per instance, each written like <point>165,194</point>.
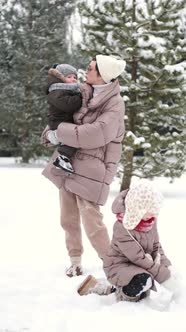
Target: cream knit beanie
<point>109,67</point>
<point>141,198</point>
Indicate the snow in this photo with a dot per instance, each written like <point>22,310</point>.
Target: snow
<point>147,54</point>
<point>35,294</point>
<point>175,69</point>
<point>151,41</point>
<point>139,140</point>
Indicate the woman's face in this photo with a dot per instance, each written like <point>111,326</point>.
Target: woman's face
<point>92,76</point>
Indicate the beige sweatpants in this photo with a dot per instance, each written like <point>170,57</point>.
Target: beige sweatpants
<point>74,209</point>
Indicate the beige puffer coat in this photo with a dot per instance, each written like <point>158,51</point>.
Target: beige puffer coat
<point>99,142</point>
<point>126,254</point>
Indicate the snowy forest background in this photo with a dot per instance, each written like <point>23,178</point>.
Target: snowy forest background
<point>150,35</point>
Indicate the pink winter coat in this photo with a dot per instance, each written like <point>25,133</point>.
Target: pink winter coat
<point>126,255</point>
<point>99,142</point>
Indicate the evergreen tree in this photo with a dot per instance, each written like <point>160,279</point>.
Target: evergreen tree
<point>150,36</point>
<point>33,37</point>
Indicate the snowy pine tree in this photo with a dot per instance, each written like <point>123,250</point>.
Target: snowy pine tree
<point>33,37</point>
<point>150,36</point>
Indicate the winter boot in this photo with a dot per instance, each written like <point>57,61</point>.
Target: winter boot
<point>120,296</point>
<point>86,285</point>
<point>137,289</point>
<point>92,285</point>
<point>63,162</point>
<point>75,269</point>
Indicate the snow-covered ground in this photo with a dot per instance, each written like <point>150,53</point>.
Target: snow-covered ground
<point>35,294</point>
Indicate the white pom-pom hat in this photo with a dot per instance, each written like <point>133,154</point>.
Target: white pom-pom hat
<point>141,198</point>
<point>109,67</point>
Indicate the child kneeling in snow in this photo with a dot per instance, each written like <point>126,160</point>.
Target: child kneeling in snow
<point>135,257</point>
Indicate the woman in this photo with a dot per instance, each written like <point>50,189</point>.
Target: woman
<point>97,135</point>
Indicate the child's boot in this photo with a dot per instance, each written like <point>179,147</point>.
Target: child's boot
<point>137,289</point>
<point>85,287</point>
<point>64,163</point>
<point>92,285</point>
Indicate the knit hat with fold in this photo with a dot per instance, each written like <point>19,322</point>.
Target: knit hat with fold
<point>66,69</point>
<point>141,198</point>
<point>109,67</point>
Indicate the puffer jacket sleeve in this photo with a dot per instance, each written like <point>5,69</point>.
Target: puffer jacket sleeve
<point>66,102</point>
<point>90,135</point>
<point>157,248</point>
<point>133,250</point>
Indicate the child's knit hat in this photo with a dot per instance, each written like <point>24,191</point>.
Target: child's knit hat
<point>141,198</point>
<point>66,69</point>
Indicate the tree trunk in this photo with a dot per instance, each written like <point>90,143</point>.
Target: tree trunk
<point>127,174</point>
<point>129,153</point>
<point>25,157</point>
